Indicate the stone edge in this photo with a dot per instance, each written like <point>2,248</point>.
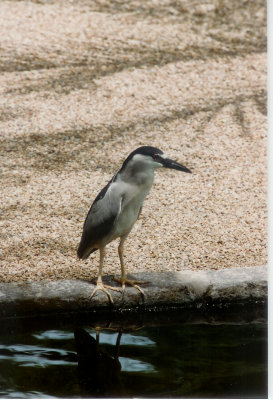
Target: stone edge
<point>164,289</point>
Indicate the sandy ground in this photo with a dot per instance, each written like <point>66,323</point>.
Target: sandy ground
<point>83,83</point>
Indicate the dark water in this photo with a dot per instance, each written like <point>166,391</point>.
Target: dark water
<point>171,355</point>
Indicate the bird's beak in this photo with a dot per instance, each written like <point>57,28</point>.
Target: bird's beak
<point>168,163</point>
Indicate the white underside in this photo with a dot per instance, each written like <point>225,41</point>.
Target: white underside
<point>132,197</point>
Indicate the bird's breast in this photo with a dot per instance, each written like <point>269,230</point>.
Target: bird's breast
<point>133,199</point>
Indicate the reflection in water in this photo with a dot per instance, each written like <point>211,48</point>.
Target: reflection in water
<point>166,358</point>
<point>99,373</point>
<point>35,356</point>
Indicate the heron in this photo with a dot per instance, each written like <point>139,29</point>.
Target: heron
<point>118,206</point>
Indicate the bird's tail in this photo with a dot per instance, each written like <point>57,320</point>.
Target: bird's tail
<point>84,251</point>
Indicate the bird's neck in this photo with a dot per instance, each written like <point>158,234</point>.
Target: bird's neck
<point>138,177</point>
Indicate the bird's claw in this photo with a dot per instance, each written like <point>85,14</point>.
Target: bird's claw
<point>131,283</point>
<point>102,287</point>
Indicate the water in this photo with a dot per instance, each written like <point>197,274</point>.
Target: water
<point>173,354</point>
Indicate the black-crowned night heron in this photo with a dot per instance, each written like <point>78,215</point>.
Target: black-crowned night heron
<point>117,207</point>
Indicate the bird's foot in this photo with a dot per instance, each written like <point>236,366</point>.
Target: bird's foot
<point>131,283</point>
<point>103,288</point>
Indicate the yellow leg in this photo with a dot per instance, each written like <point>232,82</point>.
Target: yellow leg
<point>100,285</point>
<point>123,279</point>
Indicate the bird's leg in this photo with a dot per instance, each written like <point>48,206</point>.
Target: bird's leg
<point>100,285</point>
<point>123,279</point>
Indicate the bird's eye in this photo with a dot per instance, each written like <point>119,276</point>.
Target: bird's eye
<point>156,157</point>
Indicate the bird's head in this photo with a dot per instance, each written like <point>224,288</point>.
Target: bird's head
<point>147,157</point>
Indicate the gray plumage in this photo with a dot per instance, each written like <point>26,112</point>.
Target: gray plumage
<point>118,205</point>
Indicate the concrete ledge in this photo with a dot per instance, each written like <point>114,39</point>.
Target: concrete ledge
<point>182,289</point>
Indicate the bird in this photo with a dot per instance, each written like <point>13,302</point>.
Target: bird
<point>118,206</point>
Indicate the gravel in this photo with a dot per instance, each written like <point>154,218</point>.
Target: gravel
<point>84,83</point>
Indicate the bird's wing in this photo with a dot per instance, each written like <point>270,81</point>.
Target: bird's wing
<point>100,219</point>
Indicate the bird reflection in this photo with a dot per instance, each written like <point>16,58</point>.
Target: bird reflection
<point>98,372</point>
